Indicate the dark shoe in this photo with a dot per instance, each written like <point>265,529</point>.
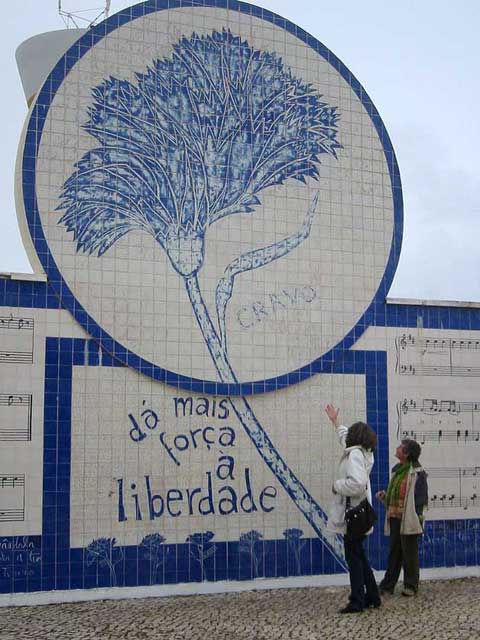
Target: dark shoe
<point>350,609</point>
<point>375,604</point>
<point>386,592</point>
<point>408,593</point>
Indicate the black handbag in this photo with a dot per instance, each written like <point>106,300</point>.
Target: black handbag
<point>359,519</point>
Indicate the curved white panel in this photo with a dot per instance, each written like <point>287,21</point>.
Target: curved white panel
<point>37,56</point>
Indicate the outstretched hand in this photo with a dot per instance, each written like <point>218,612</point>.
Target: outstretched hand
<point>332,413</point>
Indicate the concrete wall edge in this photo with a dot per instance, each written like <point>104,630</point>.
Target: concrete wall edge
<point>464,304</point>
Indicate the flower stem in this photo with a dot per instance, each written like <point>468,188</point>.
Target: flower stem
<point>113,574</point>
<point>292,485</point>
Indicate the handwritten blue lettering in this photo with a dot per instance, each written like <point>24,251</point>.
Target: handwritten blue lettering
<point>143,502</point>
<point>275,306</point>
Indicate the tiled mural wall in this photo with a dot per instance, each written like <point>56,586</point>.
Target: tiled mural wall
<point>217,207</point>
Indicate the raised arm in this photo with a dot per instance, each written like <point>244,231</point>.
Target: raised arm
<point>332,413</point>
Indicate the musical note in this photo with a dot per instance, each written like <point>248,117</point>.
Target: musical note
<point>442,435</point>
<point>12,515</point>
<point>12,497</point>
<point>16,340</point>
<point>18,324</point>
<point>441,413</point>
<point>11,400</point>
<point>446,370</point>
<point>453,472</point>
<point>437,356</point>
<point>15,417</point>
<point>12,481</point>
<point>449,406</point>
<point>16,357</point>
<point>441,344</point>
<point>453,501</point>
<point>430,405</point>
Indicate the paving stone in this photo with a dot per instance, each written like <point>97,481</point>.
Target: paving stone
<point>443,610</point>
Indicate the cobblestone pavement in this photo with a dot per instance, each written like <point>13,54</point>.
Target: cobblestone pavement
<point>444,610</point>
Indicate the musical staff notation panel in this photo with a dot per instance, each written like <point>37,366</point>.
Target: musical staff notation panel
<point>22,371</point>
<point>12,497</point>
<point>15,417</point>
<point>437,356</point>
<point>432,399</point>
<point>441,436</point>
<point>454,487</point>
<point>452,501</point>
<point>439,421</point>
<point>16,340</point>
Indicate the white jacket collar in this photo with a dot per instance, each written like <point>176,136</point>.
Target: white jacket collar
<point>355,446</point>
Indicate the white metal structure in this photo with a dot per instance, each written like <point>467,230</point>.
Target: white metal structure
<point>82,18</point>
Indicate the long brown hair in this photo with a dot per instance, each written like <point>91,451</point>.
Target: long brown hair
<point>363,435</point>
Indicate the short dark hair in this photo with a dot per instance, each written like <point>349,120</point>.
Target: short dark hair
<point>361,434</point>
<point>411,449</point>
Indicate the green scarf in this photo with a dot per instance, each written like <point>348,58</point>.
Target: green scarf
<point>393,491</point>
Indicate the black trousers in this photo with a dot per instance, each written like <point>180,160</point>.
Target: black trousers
<point>403,552</point>
<point>364,590</point>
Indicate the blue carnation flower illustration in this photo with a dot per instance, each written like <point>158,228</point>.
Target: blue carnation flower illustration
<point>197,137</point>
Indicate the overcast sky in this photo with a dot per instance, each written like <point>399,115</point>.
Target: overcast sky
<point>418,60</point>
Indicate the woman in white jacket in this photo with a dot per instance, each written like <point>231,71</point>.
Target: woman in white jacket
<point>353,481</point>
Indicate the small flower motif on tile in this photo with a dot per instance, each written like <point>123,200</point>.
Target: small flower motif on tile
<point>153,550</point>
<point>201,549</point>
<point>295,545</point>
<point>251,544</point>
<point>104,553</point>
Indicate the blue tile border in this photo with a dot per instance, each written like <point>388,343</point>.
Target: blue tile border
<point>27,294</point>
